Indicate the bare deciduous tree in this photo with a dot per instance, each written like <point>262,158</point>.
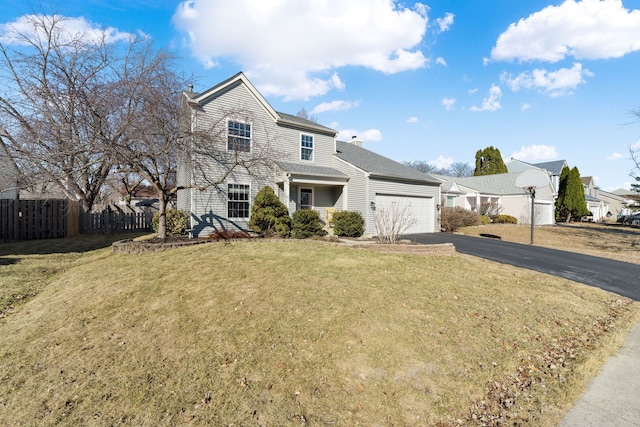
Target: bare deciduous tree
<point>392,221</point>
<point>457,169</point>
<point>67,101</point>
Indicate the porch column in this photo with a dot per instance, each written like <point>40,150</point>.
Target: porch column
<point>287,193</point>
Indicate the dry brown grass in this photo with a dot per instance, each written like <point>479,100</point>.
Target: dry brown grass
<point>604,240</point>
<point>288,333</point>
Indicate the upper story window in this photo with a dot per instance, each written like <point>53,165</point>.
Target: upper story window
<point>238,136</point>
<point>306,147</point>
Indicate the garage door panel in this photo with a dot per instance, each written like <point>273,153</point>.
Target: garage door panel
<point>421,208</point>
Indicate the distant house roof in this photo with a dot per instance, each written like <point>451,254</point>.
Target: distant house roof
<point>587,180</point>
<point>624,193</point>
<point>498,184</point>
<point>378,165</point>
<point>555,167</point>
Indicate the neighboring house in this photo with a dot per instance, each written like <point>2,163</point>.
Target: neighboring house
<point>553,169</point>
<point>598,207</point>
<point>8,175</point>
<point>312,170</point>
<point>500,191</point>
<point>143,199</point>
<point>630,201</point>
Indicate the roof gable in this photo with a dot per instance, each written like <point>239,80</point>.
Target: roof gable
<point>198,99</point>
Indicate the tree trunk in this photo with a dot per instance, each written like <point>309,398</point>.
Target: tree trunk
<point>162,219</point>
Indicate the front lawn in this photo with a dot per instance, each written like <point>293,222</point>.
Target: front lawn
<point>294,332</point>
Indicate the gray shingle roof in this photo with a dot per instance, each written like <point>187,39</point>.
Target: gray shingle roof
<point>310,170</point>
<point>499,184</point>
<point>554,167</point>
<point>378,165</point>
<point>299,121</point>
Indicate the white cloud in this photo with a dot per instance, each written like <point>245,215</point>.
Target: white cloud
<point>587,29</point>
<point>441,162</point>
<point>535,152</point>
<point>491,102</point>
<point>635,145</point>
<point>448,103</point>
<point>288,47</point>
<point>367,135</point>
<point>445,22</point>
<point>337,105</point>
<point>67,29</point>
<point>615,156</point>
<point>412,120</point>
<point>525,106</point>
<point>472,91</point>
<point>440,61</point>
<point>554,83</point>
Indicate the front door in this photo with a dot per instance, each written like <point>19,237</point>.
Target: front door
<point>306,198</point>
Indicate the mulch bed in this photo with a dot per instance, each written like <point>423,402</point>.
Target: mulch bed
<point>130,246</point>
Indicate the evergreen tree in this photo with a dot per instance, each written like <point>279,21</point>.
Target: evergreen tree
<point>269,215</point>
<point>489,162</point>
<point>571,201</point>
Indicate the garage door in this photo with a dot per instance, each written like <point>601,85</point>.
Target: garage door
<point>420,208</point>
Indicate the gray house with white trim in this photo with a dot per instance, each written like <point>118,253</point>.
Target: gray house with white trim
<point>311,169</point>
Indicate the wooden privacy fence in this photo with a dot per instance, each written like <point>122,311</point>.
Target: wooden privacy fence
<point>107,222</point>
<point>38,219</point>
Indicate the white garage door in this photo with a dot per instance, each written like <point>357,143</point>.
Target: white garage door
<point>420,208</point>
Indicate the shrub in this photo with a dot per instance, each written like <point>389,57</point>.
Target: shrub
<point>177,222</point>
<point>484,220</point>
<point>269,215</point>
<point>504,219</point>
<point>392,221</point>
<point>348,224</point>
<point>452,219</point>
<point>306,223</point>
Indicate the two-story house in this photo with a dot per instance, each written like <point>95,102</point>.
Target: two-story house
<point>300,159</point>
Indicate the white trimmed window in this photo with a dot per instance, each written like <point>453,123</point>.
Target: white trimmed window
<point>238,200</point>
<point>306,147</point>
<point>238,136</point>
<point>451,201</point>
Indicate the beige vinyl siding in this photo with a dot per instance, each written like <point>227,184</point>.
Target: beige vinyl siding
<point>355,191</point>
<point>323,146</point>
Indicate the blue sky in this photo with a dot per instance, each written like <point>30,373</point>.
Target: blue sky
<point>432,81</point>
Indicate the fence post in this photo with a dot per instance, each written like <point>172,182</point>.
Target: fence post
<point>73,218</point>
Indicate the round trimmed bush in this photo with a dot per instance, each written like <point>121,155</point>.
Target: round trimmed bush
<point>348,224</point>
<point>306,223</point>
<point>177,221</point>
<point>504,219</point>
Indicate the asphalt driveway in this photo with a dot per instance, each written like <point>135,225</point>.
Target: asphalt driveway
<point>614,276</point>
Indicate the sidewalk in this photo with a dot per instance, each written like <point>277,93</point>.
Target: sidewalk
<point>612,399</point>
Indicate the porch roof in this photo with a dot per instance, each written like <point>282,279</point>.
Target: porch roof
<point>312,171</point>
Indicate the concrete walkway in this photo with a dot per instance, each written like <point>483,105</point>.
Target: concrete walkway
<point>612,399</point>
